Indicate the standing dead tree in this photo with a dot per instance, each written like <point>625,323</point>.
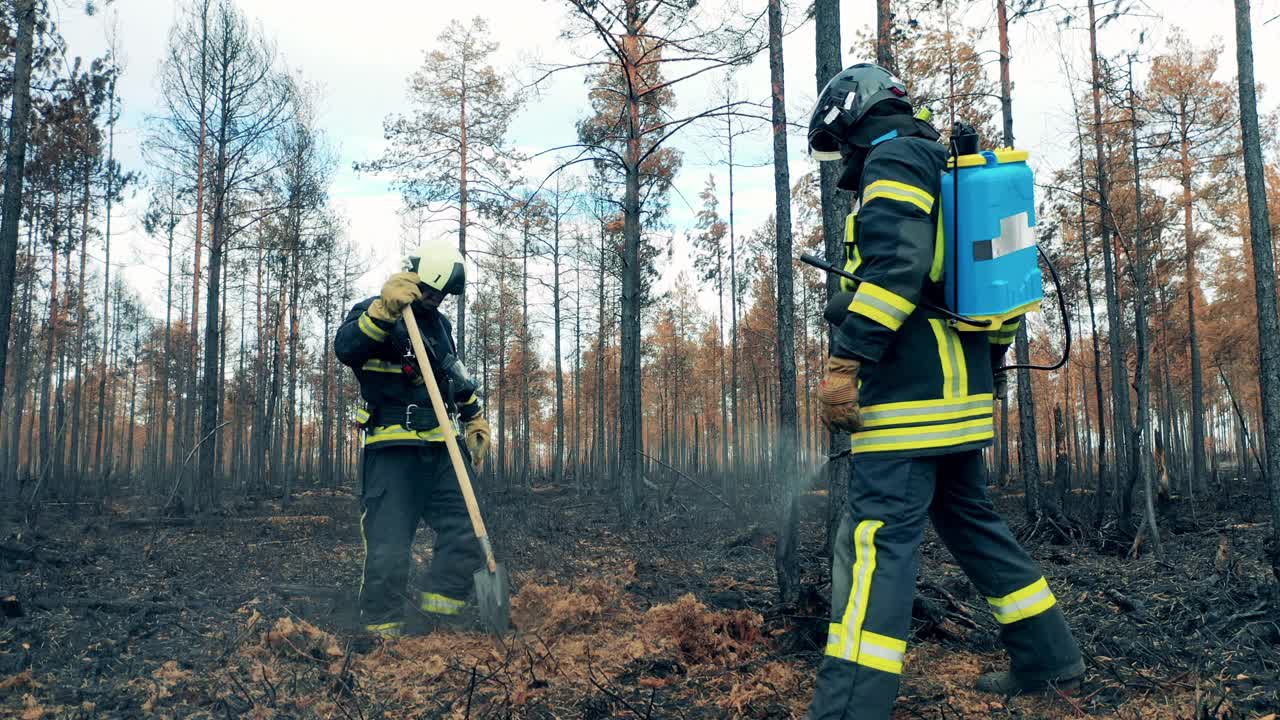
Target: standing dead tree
<point>449,155</point>
<point>15,156</point>
<point>1264,277</point>
<point>642,50</point>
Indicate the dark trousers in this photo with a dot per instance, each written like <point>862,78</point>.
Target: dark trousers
<point>874,571</point>
<point>402,485</point>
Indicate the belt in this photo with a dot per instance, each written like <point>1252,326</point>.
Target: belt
<point>410,417</point>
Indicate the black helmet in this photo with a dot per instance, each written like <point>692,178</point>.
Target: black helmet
<point>843,103</point>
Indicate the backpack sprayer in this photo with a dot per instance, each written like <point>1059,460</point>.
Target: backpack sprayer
<point>989,218</point>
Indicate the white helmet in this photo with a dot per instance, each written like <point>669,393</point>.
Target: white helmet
<point>439,266</point>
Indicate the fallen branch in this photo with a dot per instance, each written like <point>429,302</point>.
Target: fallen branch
<point>290,590</point>
<point>1128,604</point>
<point>108,605</point>
<point>17,552</point>
<point>177,483</point>
<point>153,522</point>
<point>693,482</point>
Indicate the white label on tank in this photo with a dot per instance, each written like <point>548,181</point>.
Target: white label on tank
<point>1016,233</point>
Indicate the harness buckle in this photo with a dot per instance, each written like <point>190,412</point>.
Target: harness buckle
<point>418,418</point>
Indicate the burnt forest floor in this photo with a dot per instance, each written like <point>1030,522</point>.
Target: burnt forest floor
<point>248,613</point>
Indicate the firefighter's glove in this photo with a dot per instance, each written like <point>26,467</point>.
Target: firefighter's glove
<point>400,290</point>
<point>476,434</point>
<point>839,395</point>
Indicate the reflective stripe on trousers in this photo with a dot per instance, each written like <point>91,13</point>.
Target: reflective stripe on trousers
<point>386,630</point>
<point>1023,603</point>
<point>438,604</point>
<point>848,640</point>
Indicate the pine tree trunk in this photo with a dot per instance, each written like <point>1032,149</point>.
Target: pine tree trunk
<point>577,370</point>
<point>78,395</point>
<point>460,332</point>
<point>525,366</point>
<point>292,370</point>
<point>15,160</point>
<point>630,400</point>
<point>1028,457</point>
<point>106,277</point>
<point>13,451</point>
<point>884,37</point>
<point>58,469</point>
<point>1028,452</point>
<point>1263,271</point>
<point>1192,281</point>
<point>502,382</point>
<point>728,488</point>
<point>211,385</point>
<point>1119,389</point>
<point>1141,379</point>
<point>326,399</point>
<point>787,556</point>
<point>1100,510</point>
<point>835,207</point>
<point>50,359</point>
<point>598,446</point>
<point>557,464</point>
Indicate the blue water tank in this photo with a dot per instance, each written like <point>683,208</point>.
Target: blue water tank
<point>989,223</point>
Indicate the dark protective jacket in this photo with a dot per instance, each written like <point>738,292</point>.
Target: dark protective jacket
<point>390,381</point>
<point>925,385</point>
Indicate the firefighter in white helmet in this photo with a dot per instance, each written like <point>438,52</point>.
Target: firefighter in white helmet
<point>407,475</point>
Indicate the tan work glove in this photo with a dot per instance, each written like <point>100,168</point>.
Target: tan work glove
<point>838,393</point>
<point>400,290</point>
<point>476,434</point>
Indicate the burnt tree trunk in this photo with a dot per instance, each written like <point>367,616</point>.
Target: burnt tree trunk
<point>787,558</point>
<point>1264,271</point>
<point>835,207</point>
<point>14,161</point>
<point>1119,389</point>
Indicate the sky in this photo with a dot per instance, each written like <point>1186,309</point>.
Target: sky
<point>361,55</point>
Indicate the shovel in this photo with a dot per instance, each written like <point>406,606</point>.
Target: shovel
<point>492,596</point>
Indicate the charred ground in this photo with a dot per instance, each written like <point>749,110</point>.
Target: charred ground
<point>248,614</point>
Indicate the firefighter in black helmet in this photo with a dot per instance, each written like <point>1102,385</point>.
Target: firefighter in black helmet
<point>915,393</point>
<point>407,475</point>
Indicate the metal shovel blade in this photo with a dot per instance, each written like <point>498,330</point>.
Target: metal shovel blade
<point>493,598</point>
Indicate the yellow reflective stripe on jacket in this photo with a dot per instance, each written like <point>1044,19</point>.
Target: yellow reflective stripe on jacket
<point>852,259</point>
<point>955,375</point>
<point>880,305</point>
<point>382,366</point>
<point>440,604</point>
<point>939,245</point>
<point>471,401</point>
<point>996,321</point>
<point>1006,334</point>
<point>1024,603</point>
<point>389,433</point>
<point>370,329</point>
<point>844,638</point>
<point>925,411</point>
<point>921,438</point>
<point>902,192</point>
<point>362,416</point>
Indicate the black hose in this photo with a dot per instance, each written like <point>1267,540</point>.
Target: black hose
<point>1066,322</point>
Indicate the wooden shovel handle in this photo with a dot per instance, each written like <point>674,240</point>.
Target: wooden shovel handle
<point>450,438</point>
